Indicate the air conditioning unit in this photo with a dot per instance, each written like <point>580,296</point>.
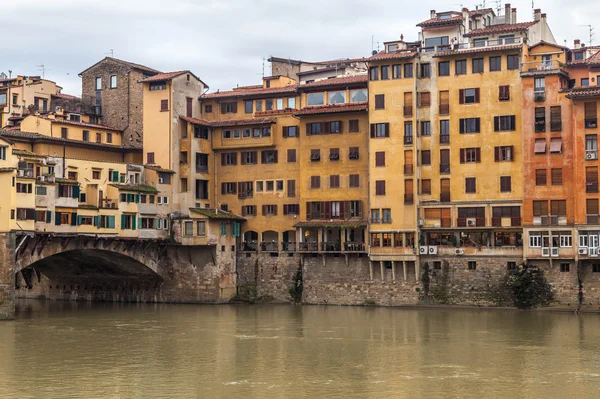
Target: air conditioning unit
<point>43,162</point>
<point>460,251</point>
<point>424,250</point>
<point>20,173</point>
<point>160,180</point>
<point>546,252</point>
<point>471,222</point>
<point>582,251</point>
<point>433,250</point>
<point>591,155</point>
<point>420,222</point>
<point>41,178</point>
<point>593,252</point>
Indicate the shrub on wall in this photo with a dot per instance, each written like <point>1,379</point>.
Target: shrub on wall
<point>529,288</point>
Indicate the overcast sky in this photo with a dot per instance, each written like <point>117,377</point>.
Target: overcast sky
<point>224,41</point>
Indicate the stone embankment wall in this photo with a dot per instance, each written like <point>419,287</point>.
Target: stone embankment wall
<point>7,293</point>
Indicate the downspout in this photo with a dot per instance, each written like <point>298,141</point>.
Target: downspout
<point>171,166</point>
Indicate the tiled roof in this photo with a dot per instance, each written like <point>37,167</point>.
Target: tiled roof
<point>275,112</point>
<point>474,13</point>
<point>129,64</point>
<point>170,75</point>
<point>195,121</point>
<point>141,188</point>
<point>36,136</point>
<point>333,108</point>
<point>436,21</point>
<point>594,59</point>
<point>346,80</point>
<point>477,50</point>
<point>159,169</point>
<point>82,124</point>
<point>584,92</point>
<point>251,92</point>
<point>66,96</point>
<point>18,151</point>
<point>500,28</point>
<point>9,169</point>
<point>396,55</point>
<point>332,223</point>
<point>243,122</point>
<point>250,87</point>
<point>341,61</point>
<point>66,181</point>
<point>217,214</point>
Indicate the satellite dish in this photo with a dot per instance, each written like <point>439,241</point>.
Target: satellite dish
<point>374,52</point>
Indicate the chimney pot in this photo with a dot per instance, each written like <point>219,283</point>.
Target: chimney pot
<point>537,14</point>
<point>577,43</point>
<point>544,16</point>
<point>507,16</point>
<point>513,18</point>
<point>432,13</point>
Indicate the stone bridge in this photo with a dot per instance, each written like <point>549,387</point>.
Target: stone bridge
<point>72,267</point>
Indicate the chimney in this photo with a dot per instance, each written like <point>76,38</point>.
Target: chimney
<point>513,18</point>
<point>432,14</point>
<point>544,17</point>
<point>507,13</point>
<point>577,44</point>
<point>537,14</point>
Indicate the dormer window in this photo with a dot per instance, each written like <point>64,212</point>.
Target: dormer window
<point>443,17</point>
<point>480,42</point>
<point>392,48</point>
<point>579,55</point>
<point>436,41</point>
<point>337,97</point>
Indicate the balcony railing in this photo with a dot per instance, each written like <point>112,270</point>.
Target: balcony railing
<point>354,247</point>
<point>445,138</point>
<point>539,96</point>
<point>556,126</point>
<point>445,168</point>
<point>25,173</point>
<point>514,221</point>
<point>331,247</point>
<point>309,246</point>
<point>250,246</point>
<point>408,198</point>
<point>269,246</point>
<point>472,45</point>
<point>541,66</point>
<point>288,246</point>
<point>408,110</point>
<point>408,169</point>
<point>591,187</point>
<point>592,219</point>
<point>444,109</point>
<point>408,140</point>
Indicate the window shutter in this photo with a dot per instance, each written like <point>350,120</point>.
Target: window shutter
<point>48,216</point>
<point>57,218</point>
<point>512,153</point>
<point>137,198</point>
<point>462,125</point>
<point>461,96</point>
<point>97,221</point>
<point>372,130</point>
<point>476,95</point>
<point>308,129</point>
<point>513,122</point>
<point>111,222</point>
<point>387,129</point>
<point>496,123</point>
<point>325,127</point>
<point>75,192</point>
<point>462,155</point>
<point>234,107</point>
<point>477,155</point>
<point>478,124</point>
<point>222,159</point>
<point>496,154</point>
<point>275,156</point>
<point>223,108</point>
<point>73,218</point>
<point>133,220</point>
<point>123,221</point>
<point>285,131</point>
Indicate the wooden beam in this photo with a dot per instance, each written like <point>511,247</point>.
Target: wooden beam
<point>44,242</point>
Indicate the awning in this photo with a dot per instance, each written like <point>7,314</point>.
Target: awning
<point>540,146</point>
<point>555,145</point>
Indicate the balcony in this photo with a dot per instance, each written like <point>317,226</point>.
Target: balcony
<point>354,247</point>
<point>408,140</point>
<point>504,251</point>
<point>250,246</point>
<point>309,246</point>
<point>473,45</point>
<point>445,168</point>
<point>591,123</point>
<point>25,173</point>
<point>288,246</point>
<point>331,246</point>
<point>539,96</point>
<point>408,169</point>
<point>542,67</point>
<point>444,109</point>
<point>269,246</point>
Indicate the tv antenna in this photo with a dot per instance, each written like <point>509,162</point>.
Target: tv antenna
<point>42,69</point>
<point>591,29</point>
<point>111,52</point>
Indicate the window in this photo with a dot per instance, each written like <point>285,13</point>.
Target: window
<point>591,146</point>
<point>512,62</point>
<point>260,186</point>
<point>468,96</point>
<point>426,186</point>
<point>470,185</point>
<point>396,71</point>
<point>291,209</point>
<point>555,145</point>
<point>471,265</point>
<point>373,73</point>
<point>41,190</point>
<point>98,137</point>
<point>505,184</point>
<point>315,155</point>
<point>334,181</point>
<point>279,103</point>
<point>96,174</point>
<point>291,102</point>
<point>291,188</point>
<point>408,101</point>
<point>208,108</point>
<point>109,137</point>
<point>290,131</point>
<point>230,188</point>
<point>425,71</point>
<point>424,100</point>
<point>201,228</point>
<point>358,95</point>
<point>540,177</point>
<point>379,101</point>
<point>164,105</point>
<point>354,181</point>
<point>591,211</point>
<point>25,188</point>
<point>461,67</point>
<point>425,157</point>
<point>269,104</point>
<point>15,99</point>
<point>504,93</point>
<point>113,81</point>
<point>505,123</point>
<point>249,158</point>
<point>596,268</point>
<point>585,82</point>
<point>229,108</point>
<point>504,153</point>
<point>539,90</point>
<point>590,114</point>
<point>444,68</point>
<point>511,266</point>
<point>379,130</point>
<point>158,86</point>
<point>408,133</point>
<point>64,133</point>
<point>375,216</point>
<point>3,153</point>
<point>248,107</point>
<point>565,268</point>
<point>579,55</point>
<point>380,158</point>
<point>98,83</point>
<point>269,210</point>
<point>444,131</point>
<point>228,158</point>
<point>535,240</point>
<point>426,128</point>
<point>470,125</point>
<point>353,153</point>
<point>353,125</point>
<point>540,119</point>
<point>540,146</point>
<point>495,64</point>
<point>334,154</point>
<point>385,72</point>
<point>556,176</point>
<point>245,189</point>
<point>315,182</point>
<point>470,155</point>
<point>555,119</point>
<point>408,191</point>
<point>408,70</point>
<point>269,157</point>
<point>86,135</point>
<point>291,155</point>
<point>380,187</point>
<point>201,163</point>
<point>477,65</point>
<point>591,179</point>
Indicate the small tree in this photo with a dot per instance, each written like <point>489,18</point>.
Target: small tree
<point>530,288</point>
<point>297,286</point>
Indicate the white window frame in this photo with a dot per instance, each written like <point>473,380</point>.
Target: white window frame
<point>113,78</point>
<point>335,209</point>
<point>583,240</point>
<point>291,102</point>
<point>535,240</point>
<point>566,240</point>
<point>203,232</point>
<point>3,153</point>
<point>187,224</point>
<point>98,83</point>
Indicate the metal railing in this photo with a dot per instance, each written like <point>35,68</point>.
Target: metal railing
<point>445,197</point>
<point>445,138</point>
<point>408,198</point>
<point>288,246</point>
<point>331,247</point>
<point>471,45</point>
<point>309,246</point>
<point>354,246</point>
<point>269,246</point>
<point>250,246</point>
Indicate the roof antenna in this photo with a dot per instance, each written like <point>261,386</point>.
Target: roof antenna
<point>591,29</point>
<point>42,68</point>
<point>111,52</point>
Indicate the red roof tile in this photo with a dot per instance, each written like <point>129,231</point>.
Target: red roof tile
<point>477,50</point>
<point>251,92</point>
<point>474,13</point>
<point>584,92</point>
<point>436,21</point>
<point>195,121</point>
<point>341,61</point>
<point>594,59</point>
<point>346,80</point>
<point>83,124</point>
<point>243,122</point>
<point>66,96</point>
<point>36,136</point>
<point>251,87</point>
<point>129,64</point>
<point>170,75</point>
<point>333,108</point>
<point>396,55</point>
<point>501,28</point>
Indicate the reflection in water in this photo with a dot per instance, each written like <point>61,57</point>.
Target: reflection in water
<point>73,350</point>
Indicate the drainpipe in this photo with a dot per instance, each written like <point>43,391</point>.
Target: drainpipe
<point>171,166</point>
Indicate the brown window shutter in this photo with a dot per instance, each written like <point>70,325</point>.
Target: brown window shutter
<point>223,189</point>
<point>234,158</point>
<point>477,95</point>
<point>461,96</point>
<point>275,156</point>
<point>477,155</point>
<point>222,159</point>
<point>387,129</point>
<point>496,154</point>
<point>512,152</point>
<point>234,107</point>
<point>285,131</point>
<point>372,130</point>
<point>462,155</point>
<point>223,108</point>
<point>264,210</point>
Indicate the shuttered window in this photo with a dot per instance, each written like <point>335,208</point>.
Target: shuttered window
<point>315,182</point>
<point>291,155</point>
<point>591,179</point>
<point>445,190</point>
<point>380,158</point>
<point>540,177</point>
<point>505,123</point>
<point>470,155</point>
<point>592,208</point>
<point>468,96</point>
<point>540,146</point>
<point>558,208</point>
<point>408,101</point>
<point>291,188</point>
<point>444,102</point>
<point>426,157</point>
<point>408,191</point>
<point>504,93</point>
<point>556,174</point>
<point>469,125</point>
<point>353,125</point>
<point>555,119</point>
<point>380,187</point>
<point>426,186</point>
<point>424,100</point>
<point>164,105</point>
<point>379,130</point>
<point>354,181</point>
<point>334,181</point>
<point>379,101</point>
<point>504,153</point>
<point>591,118</point>
<point>540,208</point>
<point>505,184</point>
<point>470,185</point>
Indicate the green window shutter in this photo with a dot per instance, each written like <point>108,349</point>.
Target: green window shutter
<point>48,216</point>
<point>73,218</point>
<point>97,221</point>
<point>123,221</point>
<point>79,218</point>
<point>133,219</point>
<point>115,176</point>
<point>236,229</point>
<point>111,222</point>
<point>57,218</point>
<point>223,229</point>
<point>137,198</point>
<point>75,192</point>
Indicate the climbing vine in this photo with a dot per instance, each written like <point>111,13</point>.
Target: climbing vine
<point>297,286</point>
<point>529,288</point>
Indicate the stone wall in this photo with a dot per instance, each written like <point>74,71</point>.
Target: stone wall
<point>7,295</point>
<point>264,275</point>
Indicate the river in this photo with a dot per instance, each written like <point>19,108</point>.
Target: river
<point>82,350</point>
